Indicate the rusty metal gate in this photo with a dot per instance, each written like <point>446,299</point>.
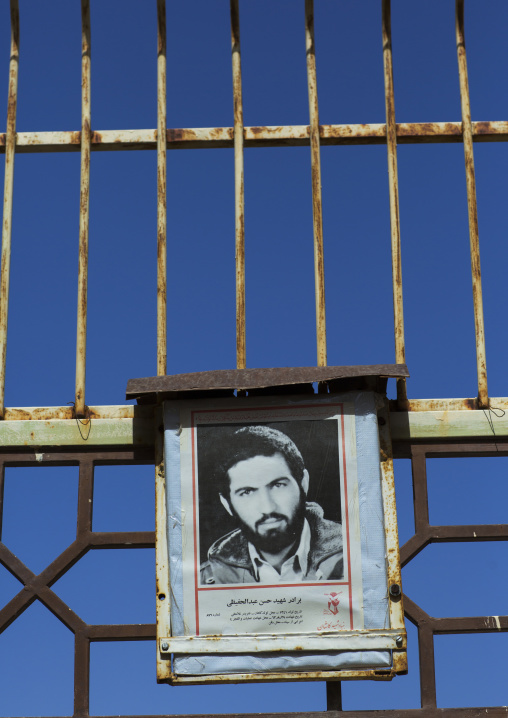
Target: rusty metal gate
<point>422,429</point>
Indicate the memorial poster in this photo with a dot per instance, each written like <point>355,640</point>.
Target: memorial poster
<point>270,518</point>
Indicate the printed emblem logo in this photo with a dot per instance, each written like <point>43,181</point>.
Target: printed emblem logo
<point>333,602</point>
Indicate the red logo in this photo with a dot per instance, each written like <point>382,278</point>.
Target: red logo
<point>333,602</point>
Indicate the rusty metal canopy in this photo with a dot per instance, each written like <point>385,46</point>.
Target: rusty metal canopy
<point>295,379</point>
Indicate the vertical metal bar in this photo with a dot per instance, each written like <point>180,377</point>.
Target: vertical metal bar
<point>241,358</point>
<point>393,182</point>
<point>474,242</point>
<point>84,202</point>
<point>395,603</point>
<point>2,486</point>
<point>420,490</point>
<point>427,666</point>
<point>333,696</point>
<point>161,192</point>
<point>317,207</point>
<point>163,588</point>
<point>10,147</point>
<point>81,675</point>
<point>85,497</point>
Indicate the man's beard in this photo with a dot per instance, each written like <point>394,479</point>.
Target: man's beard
<point>278,538</point>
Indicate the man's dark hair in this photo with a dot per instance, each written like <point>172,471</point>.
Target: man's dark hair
<point>250,441</point>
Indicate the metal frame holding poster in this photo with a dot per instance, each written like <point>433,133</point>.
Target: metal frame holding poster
<point>277,549</point>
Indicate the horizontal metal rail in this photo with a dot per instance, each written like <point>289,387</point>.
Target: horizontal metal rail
<point>286,136</point>
<point>43,427</point>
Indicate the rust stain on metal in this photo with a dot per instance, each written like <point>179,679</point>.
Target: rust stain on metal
<point>175,135</point>
<point>482,128</point>
<point>51,413</point>
<point>230,379</point>
<point>258,130</point>
<point>443,404</point>
<point>390,522</point>
<point>281,136</point>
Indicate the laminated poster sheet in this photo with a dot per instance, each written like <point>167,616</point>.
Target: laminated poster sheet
<point>265,515</point>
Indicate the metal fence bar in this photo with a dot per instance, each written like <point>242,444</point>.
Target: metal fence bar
<point>85,498</point>
<point>161,192</point>
<point>81,674</point>
<point>10,146</point>
<point>334,695</point>
<point>199,138</point>
<point>163,588</point>
<point>37,587</point>
<point>239,187</point>
<point>317,205</point>
<point>84,203</point>
<point>474,242</point>
<point>2,486</point>
<point>393,183</point>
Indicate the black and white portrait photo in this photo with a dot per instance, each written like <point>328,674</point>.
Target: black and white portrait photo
<point>275,520</point>
<point>269,503</point>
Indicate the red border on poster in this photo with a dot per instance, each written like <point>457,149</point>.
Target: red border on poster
<point>232,587</point>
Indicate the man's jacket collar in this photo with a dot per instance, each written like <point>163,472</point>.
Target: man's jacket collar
<point>326,540</point>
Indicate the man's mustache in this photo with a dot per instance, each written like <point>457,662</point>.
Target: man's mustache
<point>279,517</point>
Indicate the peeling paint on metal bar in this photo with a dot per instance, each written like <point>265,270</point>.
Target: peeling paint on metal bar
<point>99,432</point>
<point>432,425</point>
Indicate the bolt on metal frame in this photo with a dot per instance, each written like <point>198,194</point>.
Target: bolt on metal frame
<point>463,430</point>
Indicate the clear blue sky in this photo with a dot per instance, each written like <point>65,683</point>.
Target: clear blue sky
<point>280,296</point>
